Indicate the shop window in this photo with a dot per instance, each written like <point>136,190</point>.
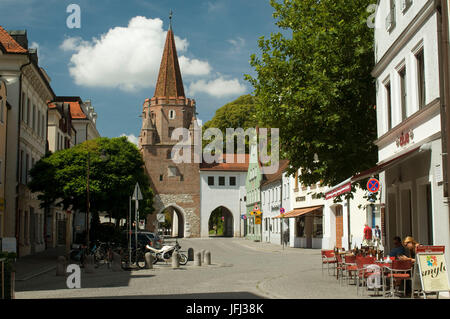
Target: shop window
<point>317,226</point>
<point>300,226</point>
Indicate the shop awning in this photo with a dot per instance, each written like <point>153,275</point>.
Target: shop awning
<point>382,166</point>
<point>301,212</point>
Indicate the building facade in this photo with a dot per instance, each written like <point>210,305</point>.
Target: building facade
<point>29,91</point>
<point>275,194</point>
<point>222,185</point>
<point>409,74</point>
<point>61,135</point>
<point>3,130</point>
<point>176,186</point>
<point>306,218</point>
<point>253,223</point>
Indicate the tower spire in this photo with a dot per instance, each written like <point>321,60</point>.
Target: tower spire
<point>170,82</point>
<point>170,20</point>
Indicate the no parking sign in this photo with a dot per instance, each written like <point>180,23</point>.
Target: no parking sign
<point>373,185</point>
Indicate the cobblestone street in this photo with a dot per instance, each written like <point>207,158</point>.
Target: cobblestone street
<point>240,269</point>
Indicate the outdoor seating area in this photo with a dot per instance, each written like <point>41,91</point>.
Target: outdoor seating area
<point>369,271</point>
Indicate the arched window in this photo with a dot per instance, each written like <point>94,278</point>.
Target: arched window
<point>171,114</point>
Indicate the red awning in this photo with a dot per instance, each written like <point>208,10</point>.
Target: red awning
<point>301,211</point>
<point>382,166</point>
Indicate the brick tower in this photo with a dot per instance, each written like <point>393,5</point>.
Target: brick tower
<point>176,186</point>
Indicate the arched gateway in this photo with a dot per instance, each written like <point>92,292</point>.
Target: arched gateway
<point>174,185</point>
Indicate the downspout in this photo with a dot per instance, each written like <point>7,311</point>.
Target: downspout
<point>348,225</point>
<point>443,43</point>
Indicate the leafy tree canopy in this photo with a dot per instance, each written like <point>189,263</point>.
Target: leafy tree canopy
<point>316,86</point>
<point>240,113</point>
<point>115,167</point>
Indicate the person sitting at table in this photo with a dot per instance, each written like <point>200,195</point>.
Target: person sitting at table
<point>398,249</point>
<point>411,246</point>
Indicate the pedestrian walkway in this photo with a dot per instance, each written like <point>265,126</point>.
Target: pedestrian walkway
<point>28,267</point>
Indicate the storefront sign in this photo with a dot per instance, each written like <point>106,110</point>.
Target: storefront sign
<point>339,191</point>
<point>405,139</point>
<point>433,272</point>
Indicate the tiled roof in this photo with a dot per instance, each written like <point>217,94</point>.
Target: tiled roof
<point>235,166</point>
<point>9,44</point>
<point>269,178</point>
<point>76,111</point>
<point>170,83</point>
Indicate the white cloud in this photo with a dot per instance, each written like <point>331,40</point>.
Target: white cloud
<point>219,87</point>
<point>127,58</point>
<point>193,66</point>
<point>73,44</point>
<point>237,43</point>
<point>131,138</point>
<point>34,45</point>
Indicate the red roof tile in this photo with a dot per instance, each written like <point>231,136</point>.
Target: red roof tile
<point>76,111</point>
<point>8,42</point>
<point>170,82</point>
<point>232,165</point>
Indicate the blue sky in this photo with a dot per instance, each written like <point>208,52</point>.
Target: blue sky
<point>113,59</point>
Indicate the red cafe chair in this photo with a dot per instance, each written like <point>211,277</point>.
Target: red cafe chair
<point>328,259</point>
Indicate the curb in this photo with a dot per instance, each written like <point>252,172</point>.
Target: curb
<point>45,270</point>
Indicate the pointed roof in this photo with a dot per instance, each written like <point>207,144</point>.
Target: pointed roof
<point>170,83</point>
<point>9,44</point>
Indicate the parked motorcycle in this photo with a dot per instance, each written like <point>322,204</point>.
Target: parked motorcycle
<point>166,252</point>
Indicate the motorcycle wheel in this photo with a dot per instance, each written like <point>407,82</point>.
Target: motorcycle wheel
<point>183,259</point>
<point>155,258</point>
<point>140,260</point>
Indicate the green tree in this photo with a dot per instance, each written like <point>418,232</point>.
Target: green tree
<point>241,113</point>
<point>115,167</point>
<point>314,83</point>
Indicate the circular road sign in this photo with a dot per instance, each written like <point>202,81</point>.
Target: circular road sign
<point>373,185</point>
<point>282,210</point>
<point>255,208</point>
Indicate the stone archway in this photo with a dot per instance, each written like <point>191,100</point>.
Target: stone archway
<point>175,220</point>
<point>222,219</point>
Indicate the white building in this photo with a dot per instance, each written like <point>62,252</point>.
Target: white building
<point>275,194</point>
<point>222,186</point>
<point>306,218</point>
<point>408,76</point>
<point>29,90</point>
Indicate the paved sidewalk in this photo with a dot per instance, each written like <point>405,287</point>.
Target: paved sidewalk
<point>28,267</point>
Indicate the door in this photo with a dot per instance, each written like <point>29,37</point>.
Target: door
<point>339,226</point>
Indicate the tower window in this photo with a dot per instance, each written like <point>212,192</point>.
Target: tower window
<point>160,178</point>
<point>221,180</point>
<point>172,114</point>
<point>232,181</point>
<point>210,180</point>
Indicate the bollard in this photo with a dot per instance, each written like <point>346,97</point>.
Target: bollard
<point>116,264</point>
<point>61,266</point>
<point>175,260</point>
<point>191,254</point>
<point>148,261</point>
<point>197,259</point>
<point>203,255</point>
<point>207,258</point>
<point>89,264</point>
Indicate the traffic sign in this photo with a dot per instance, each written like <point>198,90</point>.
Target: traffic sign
<point>258,220</point>
<point>282,210</point>
<point>161,218</point>
<point>137,195</point>
<point>373,185</point>
<point>255,208</point>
